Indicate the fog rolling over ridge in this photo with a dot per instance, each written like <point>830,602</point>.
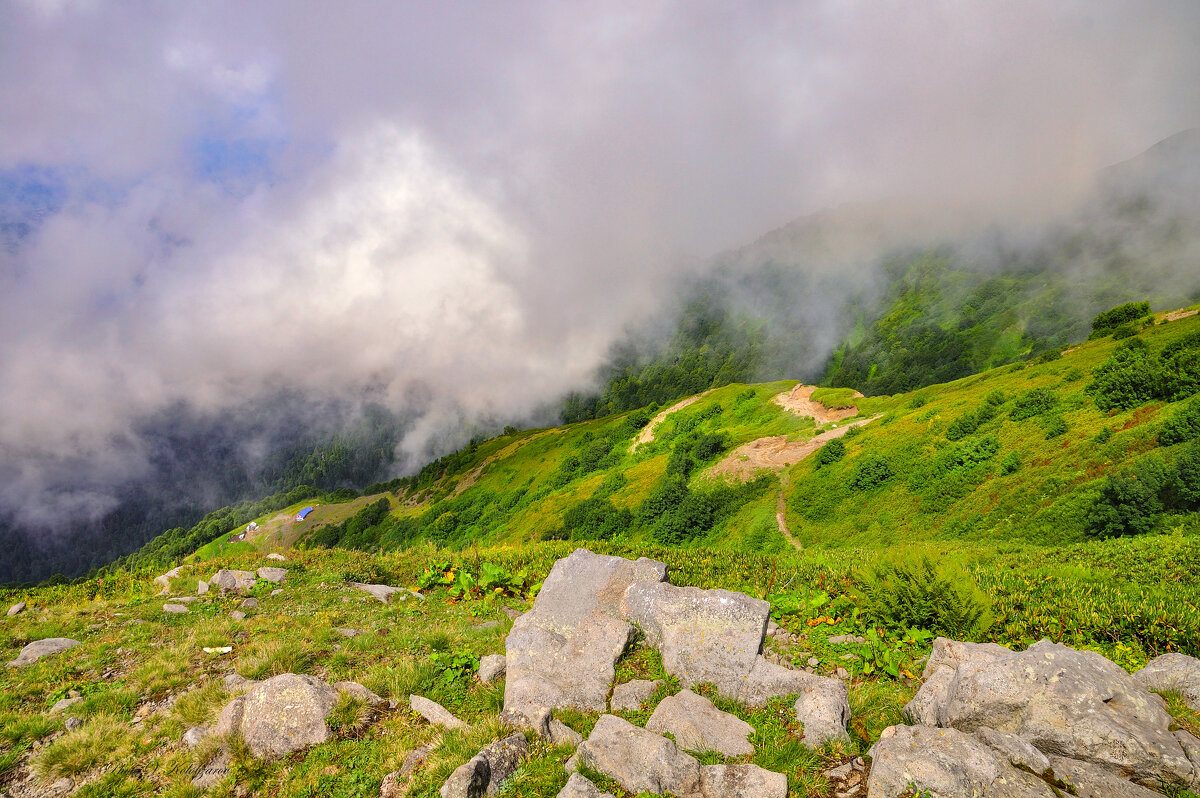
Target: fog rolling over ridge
<point>231,233</point>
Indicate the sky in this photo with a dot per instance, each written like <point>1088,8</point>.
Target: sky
<point>467,202</point>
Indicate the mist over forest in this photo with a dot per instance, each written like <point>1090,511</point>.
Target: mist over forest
<point>319,248</point>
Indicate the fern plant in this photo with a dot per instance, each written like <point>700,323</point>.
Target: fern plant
<point>916,593</point>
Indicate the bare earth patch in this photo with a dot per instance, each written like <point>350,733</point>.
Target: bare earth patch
<point>799,401</point>
<point>774,453</point>
<point>1176,315</point>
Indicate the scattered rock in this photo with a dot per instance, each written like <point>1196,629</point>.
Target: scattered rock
<point>65,703</point>
<point>201,587</point>
<point>16,609</point>
<point>358,691</point>
<point>579,787</point>
<point>562,734</point>
<point>946,762</point>
<point>1177,672</point>
<point>488,769</point>
<point>275,575</point>
<point>194,735</point>
<point>42,648</point>
<point>165,579</point>
<point>276,591</point>
<point>175,609</point>
<point>385,592</point>
<point>513,614</point>
<point>346,632</point>
<point>283,714</point>
<point>213,772</point>
<point>395,785</point>
<point>640,760</point>
<point>488,625</point>
<point>238,615</point>
<point>842,640</point>
<point>824,710</point>
<point>227,581</point>
<point>703,635</point>
<point>277,557</point>
<point>435,713</point>
<point>741,781</point>
<point>250,604</point>
<point>492,668</point>
<point>629,696</point>
<point>65,784</point>
<point>841,673</point>
<point>235,683</point>
<point>71,724</point>
<point>562,652</point>
<point>699,726</point>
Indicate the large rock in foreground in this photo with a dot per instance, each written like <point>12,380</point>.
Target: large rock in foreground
<point>945,762</point>
<point>486,771</point>
<point>283,714</point>
<point>227,581</point>
<point>42,648</point>
<point>699,726</point>
<point>562,652</point>
<point>1071,703</point>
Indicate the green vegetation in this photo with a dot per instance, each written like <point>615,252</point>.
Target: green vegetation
<point>1122,316</point>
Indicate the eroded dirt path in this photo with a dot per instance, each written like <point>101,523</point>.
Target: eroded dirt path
<point>799,401</point>
<point>781,512</point>
<point>647,433</point>
<point>1176,315</point>
<point>775,453</point>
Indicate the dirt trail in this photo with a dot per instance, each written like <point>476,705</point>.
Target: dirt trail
<point>781,514</point>
<point>1176,315</point>
<point>647,433</point>
<point>473,477</point>
<point>799,401</point>
<point>775,453</point>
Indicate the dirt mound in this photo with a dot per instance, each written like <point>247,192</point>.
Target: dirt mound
<point>799,401</point>
<point>647,433</point>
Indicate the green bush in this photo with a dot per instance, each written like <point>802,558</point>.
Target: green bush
<point>1032,403</point>
<point>1011,464</point>
<point>916,593</point>
<point>871,472</point>
<point>1134,375</point>
<point>830,453</point>
<point>1055,426</point>
<point>1183,426</point>
<point>1120,315</point>
<point>1130,502</point>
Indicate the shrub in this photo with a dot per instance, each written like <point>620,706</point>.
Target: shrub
<point>1129,502</point>
<point>709,446</point>
<point>1055,426</point>
<point>1121,314</point>
<point>1183,426</point>
<point>595,519</point>
<point>1011,464</point>
<point>871,473</point>
<point>915,593</point>
<point>831,452</point>
<point>1184,486</point>
<point>1033,402</point>
<point>962,426</point>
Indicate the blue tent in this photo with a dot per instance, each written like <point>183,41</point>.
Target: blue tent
<point>300,516</point>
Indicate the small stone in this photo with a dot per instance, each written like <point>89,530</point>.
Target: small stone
<point>175,609</point>
<point>384,593</point>
<point>358,691</point>
<point>813,662</point>
<point>16,609</point>
<point>236,581</point>
<point>65,784</point>
<point>71,724</point>
<point>276,591</point>
<point>250,603</point>
<point>236,683</point>
<point>65,703</point>
<point>238,615</point>
<point>434,712</point>
<point>513,614</point>
<point>578,786</point>
<point>277,557</point>
<point>629,696</point>
<point>492,668</point>
<point>347,632</point>
<point>201,587</point>
<point>488,625</point>
<point>841,673</point>
<point>194,735</point>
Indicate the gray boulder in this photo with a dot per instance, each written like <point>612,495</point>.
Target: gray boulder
<point>228,581</point>
<point>275,575</point>
<point>579,787</point>
<point>175,609</point>
<point>1014,749</point>
<point>201,587</point>
<point>16,609</point>
<point>741,781</point>
<point>946,762</point>
<point>492,668</point>
<point>560,733</point>
<point>237,615</point>
<point>562,652</point>
<point>42,648</point>
<point>640,760</point>
<point>699,726</point>
<point>1191,747</point>
<point>939,671</point>
<point>395,784</point>
<point>250,603</point>
<point>629,696</point>
<point>823,706</point>
<point>1070,703</point>
<point>1092,781</point>
<point>487,770</point>
<point>165,579</point>
<point>703,635</point>
<point>283,714</point>
<point>277,557</point>
<point>1176,672</point>
<point>435,713</point>
<point>385,592</point>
